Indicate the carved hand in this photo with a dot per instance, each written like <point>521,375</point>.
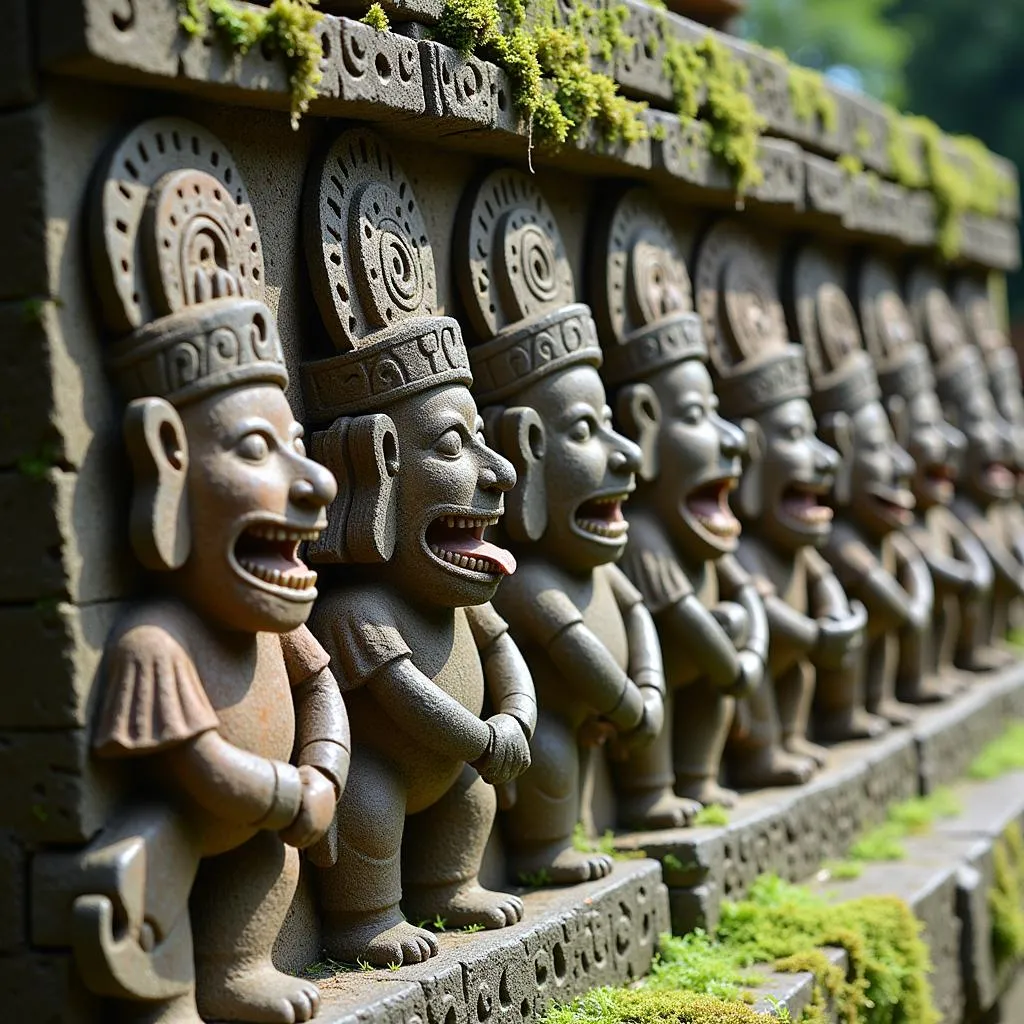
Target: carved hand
<point>840,639</point>
<point>750,675</point>
<point>508,753</point>
<point>651,721</point>
<point>316,809</point>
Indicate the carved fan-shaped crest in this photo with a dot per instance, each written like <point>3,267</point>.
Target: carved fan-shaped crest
<point>514,266</point>
<point>737,300</point>
<point>370,260</point>
<point>975,306</point>
<point>639,275</point>
<point>938,324</point>
<point>172,226</point>
<point>886,325</point>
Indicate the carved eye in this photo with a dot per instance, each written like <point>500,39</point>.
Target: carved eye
<point>582,430</point>
<point>794,432</point>
<point>692,414</point>
<point>449,444</point>
<point>253,447</point>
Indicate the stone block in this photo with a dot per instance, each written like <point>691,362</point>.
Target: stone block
<point>640,68</point>
<point>791,991</point>
<point>782,166</point>
<point>45,989</point>
<point>19,83</point>
<point>876,207</point>
<point>13,895</point>
<point>55,793</point>
<point>990,241</point>
<point>827,187</point>
<point>459,93</point>
<point>70,541</point>
<point>207,60</point>
<point>679,150</point>
<point>697,906</point>
<point>52,653</point>
<point>376,74</point>
<point>426,11</point>
<point>864,127</point>
<point>23,270</point>
<point>920,215</point>
<point>570,940</point>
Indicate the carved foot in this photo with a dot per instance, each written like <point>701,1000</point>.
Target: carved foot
<point>927,691</point>
<point>463,906</point>
<point>655,810</point>
<point>771,767</point>
<point>857,724</point>
<point>984,659</point>
<point>803,747</point>
<point>706,791</point>
<point>560,865</point>
<point>260,995</point>
<point>894,712</point>
<point>381,939</point>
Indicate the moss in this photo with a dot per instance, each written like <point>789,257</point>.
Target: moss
<point>1004,754</point>
<point>35,465</point>
<point>810,97</point>
<point>287,27</point>
<point>842,870</point>
<point>1006,897</point>
<point>554,86</point>
<point>853,165</point>
<point>376,18</point>
<point>642,1006</point>
<point>862,139</point>
<point>911,817</point>
<point>712,814</point>
<point>905,169</point>
<point>696,963</point>
<point>602,844</point>
<point>684,68</point>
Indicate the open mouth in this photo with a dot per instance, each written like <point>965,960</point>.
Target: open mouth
<point>709,507</point>
<point>897,503</point>
<point>999,478</point>
<point>458,540</point>
<point>940,480</point>
<point>602,517</point>
<point>800,503</point>
<point>269,552</point>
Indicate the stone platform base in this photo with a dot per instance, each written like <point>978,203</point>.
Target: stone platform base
<point>572,940</point>
<point>791,831</point>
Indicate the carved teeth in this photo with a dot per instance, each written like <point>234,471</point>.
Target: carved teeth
<point>468,522</point>
<point>303,580</point>
<point>603,528</point>
<point>278,533</point>
<point>483,565</point>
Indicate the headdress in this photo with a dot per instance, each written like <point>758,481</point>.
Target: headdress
<point>179,265</point>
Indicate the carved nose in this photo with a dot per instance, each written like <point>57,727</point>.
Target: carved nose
<point>902,462</point>
<point>316,487</point>
<point>625,457</point>
<point>826,459</point>
<point>498,475</point>
<point>955,440</point>
<point>732,439</point>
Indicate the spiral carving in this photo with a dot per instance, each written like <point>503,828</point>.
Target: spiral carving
<point>753,319</point>
<point>839,334</point>
<point>514,266</point>
<point>370,260</point>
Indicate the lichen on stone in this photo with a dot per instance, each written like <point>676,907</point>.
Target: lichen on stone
<point>811,98</point>
<point>287,27</point>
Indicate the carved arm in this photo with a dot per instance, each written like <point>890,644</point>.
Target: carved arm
<point>915,578</point>
<point>509,682</point>
<point>699,631</point>
<point>322,737</point>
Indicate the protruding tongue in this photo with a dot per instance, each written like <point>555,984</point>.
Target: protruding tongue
<point>464,543</point>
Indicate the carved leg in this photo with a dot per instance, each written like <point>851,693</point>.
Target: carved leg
<point>839,714</point>
<point>538,828</point>
<point>359,896</point>
<point>915,683</point>
<point>973,652</point>
<point>794,694</point>
<point>441,856</point>
<point>645,791</point>
<point>880,681</point>
<point>700,729</point>
<point>756,755</point>
<point>239,903</point>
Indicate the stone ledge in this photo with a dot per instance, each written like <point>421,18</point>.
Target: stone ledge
<point>792,991</point>
<point>572,939</point>
<point>791,831</point>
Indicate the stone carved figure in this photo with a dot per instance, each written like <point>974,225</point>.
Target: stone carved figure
<point>872,488</point>
<point>583,628</point>
<point>761,382</point>
<point>414,641</point>
<point>682,533</point>
<point>960,570</point>
<point>212,680</point>
<point>975,306</point>
<point>987,480</point>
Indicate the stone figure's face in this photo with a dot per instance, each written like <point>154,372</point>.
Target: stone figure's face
<point>987,474</point>
<point>698,463</point>
<point>797,469</point>
<point>936,448</point>
<point>253,498</point>
<point>588,470</point>
<point>450,489</point>
<point>880,473</point>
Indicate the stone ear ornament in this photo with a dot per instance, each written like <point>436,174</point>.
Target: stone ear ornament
<point>749,494</point>
<point>519,434</point>
<point>837,431</point>
<point>638,411</point>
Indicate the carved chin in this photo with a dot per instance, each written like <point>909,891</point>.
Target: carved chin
<point>265,555</point>
<point>600,519</point>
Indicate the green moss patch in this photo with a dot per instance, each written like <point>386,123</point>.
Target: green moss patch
<point>699,979</point>
<point>712,814</point>
<point>911,817</point>
<point>376,18</point>
<point>1004,754</point>
<point>1006,897</point>
<point>811,98</point>
<point>287,27</point>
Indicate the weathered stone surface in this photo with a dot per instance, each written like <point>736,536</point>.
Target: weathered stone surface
<point>23,273</point>
<point>996,243</point>
<point>52,653</point>
<point>949,737</point>
<point>68,541</point>
<point>571,940</point>
<point>18,80</point>
<point>460,93</point>
<point>782,165</point>
<point>46,990</point>
<point>827,187</point>
<point>792,991</point>
<point>864,127</point>
<point>377,74</point>
<point>876,207</point>
<point>640,69</point>
<point>426,11</point>
<point>679,150</point>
